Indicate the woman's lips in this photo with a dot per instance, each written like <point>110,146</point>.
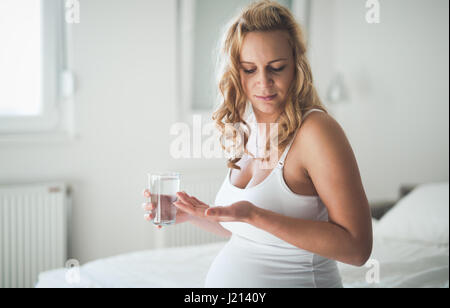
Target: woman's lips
<point>266,98</point>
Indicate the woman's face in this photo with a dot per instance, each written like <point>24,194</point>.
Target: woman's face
<point>267,71</point>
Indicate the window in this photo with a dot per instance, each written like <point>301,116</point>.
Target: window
<point>32,64</point>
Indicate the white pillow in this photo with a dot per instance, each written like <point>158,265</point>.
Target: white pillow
<point>422,215</point>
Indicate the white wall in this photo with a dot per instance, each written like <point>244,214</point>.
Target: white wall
<point>124,55</point>
<point>397,74</point>
<point>124,63</point>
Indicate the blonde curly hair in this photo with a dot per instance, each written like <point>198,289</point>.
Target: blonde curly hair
<point>262,16</point>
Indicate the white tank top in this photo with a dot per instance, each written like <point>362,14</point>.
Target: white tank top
<point>271,194</point>
<point>251,250</point>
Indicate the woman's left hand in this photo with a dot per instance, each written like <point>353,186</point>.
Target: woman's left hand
<point>239,211</point>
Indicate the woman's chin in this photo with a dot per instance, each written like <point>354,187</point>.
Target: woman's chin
<point>269,107</point>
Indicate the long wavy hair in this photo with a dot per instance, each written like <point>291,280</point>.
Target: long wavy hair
<point>262,16</point>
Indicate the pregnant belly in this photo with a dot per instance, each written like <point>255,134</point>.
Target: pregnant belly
<point>245,264</point>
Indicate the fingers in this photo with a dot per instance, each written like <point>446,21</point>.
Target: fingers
<point>189,208</point>
<point>185,207</point>
<point>146,193</point>
<point>183,200</point>
<point>148,206</point>
<point>185,197</point>
<point>196,199</point>
<point>149,217</point>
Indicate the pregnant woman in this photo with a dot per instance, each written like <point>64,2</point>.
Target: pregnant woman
<point>289,224</point>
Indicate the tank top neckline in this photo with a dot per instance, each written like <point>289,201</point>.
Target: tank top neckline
<point>274,170</point>
<point>257,185</point>
<point>279,166</point>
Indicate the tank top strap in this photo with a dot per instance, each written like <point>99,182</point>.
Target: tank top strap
<point>283,156</point>
<point>309,112</point>
<point>286,151</point>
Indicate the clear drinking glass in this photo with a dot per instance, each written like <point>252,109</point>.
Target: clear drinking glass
<point>163,187</point>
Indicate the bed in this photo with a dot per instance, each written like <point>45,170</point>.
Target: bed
<point>410,249</point>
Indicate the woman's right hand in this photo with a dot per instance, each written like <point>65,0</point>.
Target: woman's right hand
<point>149,208</point>
<point>191,205</point>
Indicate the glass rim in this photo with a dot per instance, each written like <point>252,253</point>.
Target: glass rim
<point>164,174</point>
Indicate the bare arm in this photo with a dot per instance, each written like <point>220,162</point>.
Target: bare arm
<point>331,165</point>
<point>210,226</point>
<point>323,238</point>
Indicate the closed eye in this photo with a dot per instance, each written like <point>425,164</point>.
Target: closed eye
<point>249,71</point>
<point>276,70</point>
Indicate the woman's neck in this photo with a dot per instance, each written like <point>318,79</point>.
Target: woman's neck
<point>266,118</point>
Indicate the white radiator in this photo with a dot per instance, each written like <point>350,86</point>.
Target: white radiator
<point>33,232</point>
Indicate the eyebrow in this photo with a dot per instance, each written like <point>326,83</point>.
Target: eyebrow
<point>277,60</point>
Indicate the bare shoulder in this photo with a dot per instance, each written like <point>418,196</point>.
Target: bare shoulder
<point>319,124</point>
<point>321,136</point>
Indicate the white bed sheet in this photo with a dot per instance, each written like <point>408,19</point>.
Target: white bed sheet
<point>401,264</point>
<point>179,267</point>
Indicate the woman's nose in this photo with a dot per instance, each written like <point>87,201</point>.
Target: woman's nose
<point>264,80</point>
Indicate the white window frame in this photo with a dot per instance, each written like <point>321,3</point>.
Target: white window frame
<point>57,82</point>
